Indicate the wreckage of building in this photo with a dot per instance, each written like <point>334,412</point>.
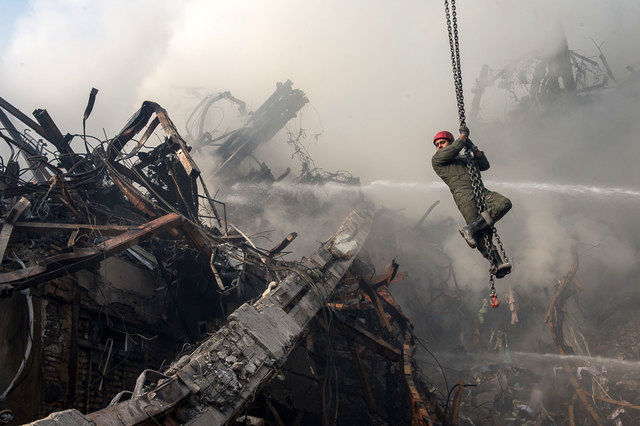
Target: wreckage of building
<point>129,296</point>
<point>545,82</point>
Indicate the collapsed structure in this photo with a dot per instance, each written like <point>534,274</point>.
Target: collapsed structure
<point>144,302</point>
<point>548,81</point>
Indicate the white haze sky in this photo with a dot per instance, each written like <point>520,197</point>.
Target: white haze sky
<point>378,76</point>
<point>378,73</point>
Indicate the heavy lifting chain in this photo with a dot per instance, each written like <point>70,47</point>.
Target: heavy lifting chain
<point>472,169</point>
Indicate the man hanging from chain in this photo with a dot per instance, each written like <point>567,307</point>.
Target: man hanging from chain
<point>451,167</point>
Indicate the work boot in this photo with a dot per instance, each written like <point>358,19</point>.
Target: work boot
<point>502,268</point>
<point>468,232</point>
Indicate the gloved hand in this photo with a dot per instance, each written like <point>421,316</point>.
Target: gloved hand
<point>465,130</point>
<point>471,145</point>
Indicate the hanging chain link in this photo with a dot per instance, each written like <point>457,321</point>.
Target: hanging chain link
<point>472,169</point>
<point>455,58</point>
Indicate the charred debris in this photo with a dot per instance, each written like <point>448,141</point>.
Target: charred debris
<point>130,297</point>
<point>542,84</point>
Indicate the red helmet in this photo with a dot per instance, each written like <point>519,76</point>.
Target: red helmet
<point>443,135</point>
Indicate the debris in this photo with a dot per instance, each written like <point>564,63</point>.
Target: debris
<point>542,82</point>
<point>133,268</point>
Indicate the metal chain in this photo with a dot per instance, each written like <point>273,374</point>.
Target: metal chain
<point>499,244</point>
<point>472,169</point>
<point>455,57</point>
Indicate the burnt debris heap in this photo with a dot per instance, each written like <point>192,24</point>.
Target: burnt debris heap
<point>129,295</point>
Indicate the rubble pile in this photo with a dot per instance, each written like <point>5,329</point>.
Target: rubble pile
<point>139,300</point>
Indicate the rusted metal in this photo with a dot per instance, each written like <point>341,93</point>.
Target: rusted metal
<point>150,129</point>
<point>419,416</point>
<point>139,121</point>
<point>99,188</point>
<point>90,103</point>
<point>57,266</point>
<point>375,299</point>
<point>393,309</point>
<point>555,315</point>
<point>216,275</point>
<point>572,420</point>
<point>262,125</point>
<point>283,244</point>
<point>212,204</point>
<point>424,216</point>
<point>45,227</point>
<point>133,195</point>
<point>455,404</point>
<point>68,200</point>
<point>616,402</point>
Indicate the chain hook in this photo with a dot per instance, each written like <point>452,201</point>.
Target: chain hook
<point>493,300</point>
<point>493,296</point>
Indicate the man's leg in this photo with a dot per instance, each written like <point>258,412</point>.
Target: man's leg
<point>497,205</point>
<point>474,225</point>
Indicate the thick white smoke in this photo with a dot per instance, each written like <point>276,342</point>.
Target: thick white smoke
<point>378,75</point>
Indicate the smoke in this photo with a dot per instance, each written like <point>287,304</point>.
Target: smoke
<point>379,80</point>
